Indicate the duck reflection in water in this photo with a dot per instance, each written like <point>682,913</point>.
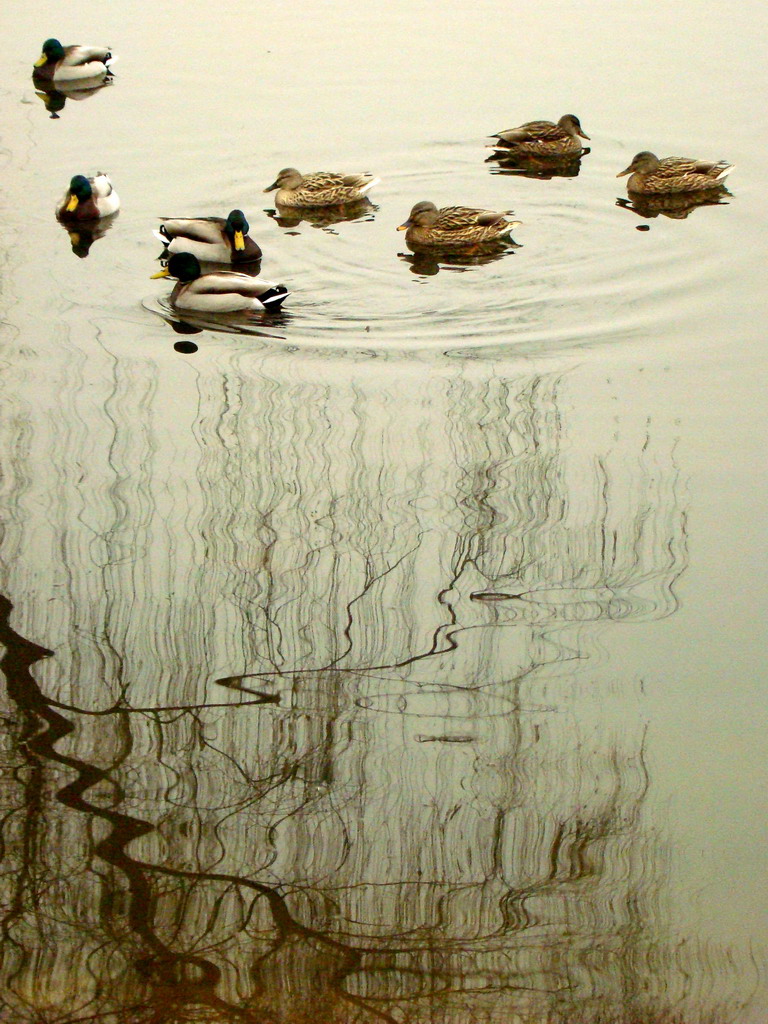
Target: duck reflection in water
<point>323,217</point>
<point>460,236</point>
<point>428,261</point>
<point>545,167</point>
<point>54,96</point>
<point>83,234</point>
<point>191,322</point>
<point>676,206</point>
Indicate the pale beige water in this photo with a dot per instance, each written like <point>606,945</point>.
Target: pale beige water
<point>487,539</point>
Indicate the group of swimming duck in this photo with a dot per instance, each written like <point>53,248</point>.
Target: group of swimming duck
<point>188,241</point>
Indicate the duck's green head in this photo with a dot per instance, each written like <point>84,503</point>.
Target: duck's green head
<point>80,191</point>
<point>52,50</point>
<point>237,228</point>
<point>182,265</point>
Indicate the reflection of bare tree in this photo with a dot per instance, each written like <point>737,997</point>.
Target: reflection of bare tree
<point>398,806</point>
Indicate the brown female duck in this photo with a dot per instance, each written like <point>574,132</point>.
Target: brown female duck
<point>651,176</point>
<point>322,188</point>
<point>455,226</point>
<point>542,138</point>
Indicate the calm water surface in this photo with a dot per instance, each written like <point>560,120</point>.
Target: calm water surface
<point>401,657</point>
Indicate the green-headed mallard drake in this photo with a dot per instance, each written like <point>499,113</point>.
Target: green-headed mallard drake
<point>455,226</point>
<point>322,188</point>
<point>542,138</point>
<point>212,239</point>
<point>651,176</point>
<point>88,199</point>
<point>59,63</point>
<point>225,291</point>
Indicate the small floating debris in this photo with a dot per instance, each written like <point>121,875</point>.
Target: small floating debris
<point>445,739</point>
<point>642,227</point>
<point>493,595</point>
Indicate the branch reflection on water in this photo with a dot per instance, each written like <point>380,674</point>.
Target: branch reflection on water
<point>399,804</point>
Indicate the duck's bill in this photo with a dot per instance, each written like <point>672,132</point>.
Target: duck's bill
<point>585,136</point>
<point>72,204</point>
<point>272,187</point>
<point>625,171</point>
<point>40,60</point>
<point>239,241</point>
<point>160,273</point>
<point>404,227</point>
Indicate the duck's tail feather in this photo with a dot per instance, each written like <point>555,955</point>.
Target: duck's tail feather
<point>274,297</point>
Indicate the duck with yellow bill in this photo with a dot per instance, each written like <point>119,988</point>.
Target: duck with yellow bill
<point>225,291</point>
<point>59,63</point>
<point>88,199</point>
<point>210,239</point>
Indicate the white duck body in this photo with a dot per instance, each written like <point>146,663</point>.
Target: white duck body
<point>107,200</point>
<point>84,62</point>
<point>208,252</point>
<point>227,291</point>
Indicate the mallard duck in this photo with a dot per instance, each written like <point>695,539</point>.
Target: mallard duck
<point>225,291</point>
<point>651,176</point>
<point>322,188</point>
<point>455,226</point>
<point>542,138</point>
<point>59,63</point>
<point>212,239</point>
<point>88,199</point>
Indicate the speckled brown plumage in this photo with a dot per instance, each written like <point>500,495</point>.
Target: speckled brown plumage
<point>651,176</point>
<point>542,138</point>
<point>455,226</point>
<point>322,188</point>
